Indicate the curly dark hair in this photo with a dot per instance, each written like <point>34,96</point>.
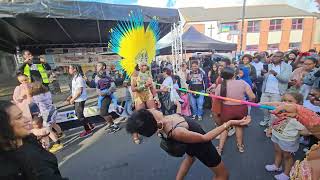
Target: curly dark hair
<point>248,56</point>
<point>7,136</point>
<point>142,122</point>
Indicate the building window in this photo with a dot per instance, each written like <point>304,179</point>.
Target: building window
<point>253,26</point>
<point>252,48</point>
<point>297,23</point>
<point>273,47</point>
<point>295,45</point>
<point>275,25</point>
<point>227,27</point>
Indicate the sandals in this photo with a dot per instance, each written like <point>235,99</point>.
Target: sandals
<point>240,148</point>
<point>136,140</point>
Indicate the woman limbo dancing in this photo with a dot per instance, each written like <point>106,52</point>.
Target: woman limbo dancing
<point>185,131</point>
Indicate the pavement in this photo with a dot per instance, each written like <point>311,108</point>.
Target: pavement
<point>103,156</point>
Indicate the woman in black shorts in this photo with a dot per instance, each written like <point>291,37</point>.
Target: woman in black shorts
<point>148,122</point>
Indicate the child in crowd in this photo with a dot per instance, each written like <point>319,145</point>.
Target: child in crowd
<point>43,134</point>
<point>176,86</point>
<point>244,74</point>
<point>42,97</point>
<point>185,107</point>
<point>40,131</point>
<point>105,87</point>
<point>21,97</point>
<point>285,137</point>
<point>127,109</point>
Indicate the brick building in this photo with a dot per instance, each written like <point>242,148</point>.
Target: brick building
<point>266,27</point>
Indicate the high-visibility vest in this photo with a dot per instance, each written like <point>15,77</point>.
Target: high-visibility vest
<point>41,70</point>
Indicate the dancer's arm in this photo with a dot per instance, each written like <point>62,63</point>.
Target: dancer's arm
<point>184,135</point>
<point>250,93</point>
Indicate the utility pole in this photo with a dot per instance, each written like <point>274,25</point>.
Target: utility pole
<point>242,23</point>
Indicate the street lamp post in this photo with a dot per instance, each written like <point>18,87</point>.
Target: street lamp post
<point>242,24</point>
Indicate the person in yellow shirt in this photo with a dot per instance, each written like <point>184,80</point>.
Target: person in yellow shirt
<point>35,68</point>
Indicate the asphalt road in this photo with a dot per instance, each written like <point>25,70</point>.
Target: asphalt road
<point>105,156</point>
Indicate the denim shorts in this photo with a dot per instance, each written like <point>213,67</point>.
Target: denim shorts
<point>287,146</point>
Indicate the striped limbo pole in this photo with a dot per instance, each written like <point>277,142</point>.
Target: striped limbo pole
<point>227,99</point>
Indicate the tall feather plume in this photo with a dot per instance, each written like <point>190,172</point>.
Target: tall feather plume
<point>130,38</point>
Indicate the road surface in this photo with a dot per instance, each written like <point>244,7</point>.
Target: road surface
<point>114,157</point>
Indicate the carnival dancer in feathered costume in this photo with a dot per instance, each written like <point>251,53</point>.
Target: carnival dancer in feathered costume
<point>137,47</point>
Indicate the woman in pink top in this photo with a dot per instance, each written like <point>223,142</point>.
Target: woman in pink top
<point>22,98</point>
<point>235,89</point>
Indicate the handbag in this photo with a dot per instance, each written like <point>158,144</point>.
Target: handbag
<point>172,147</point>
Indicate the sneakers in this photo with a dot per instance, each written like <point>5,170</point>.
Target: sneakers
<point>55,148</point>
<point>263,123</point>
<point>194,117</point>
<point>113,128</point>
<point>199,118</point>
<point>85,133</point>
<point>231,131</point>
<point>304,141</point>
<point>61,135</point>
<point>273,168</point>
<point>282,176</point>
<point>92,126</point>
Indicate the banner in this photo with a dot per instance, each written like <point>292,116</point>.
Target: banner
<point>67,59</point>
<point>71,115</point>
<point>76,50</point>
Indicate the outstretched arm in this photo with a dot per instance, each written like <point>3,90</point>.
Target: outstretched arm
<point>184,135</point>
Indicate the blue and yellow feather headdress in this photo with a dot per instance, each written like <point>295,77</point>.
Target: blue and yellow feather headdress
<point>133,42</point>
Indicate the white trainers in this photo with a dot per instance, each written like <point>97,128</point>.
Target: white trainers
<point>263,123</point>
<point>282,176</point>
<point>273,168</point>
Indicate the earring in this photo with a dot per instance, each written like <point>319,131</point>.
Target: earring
<point>162,126</point>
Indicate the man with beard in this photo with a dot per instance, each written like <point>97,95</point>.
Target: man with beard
<point>291,57</point>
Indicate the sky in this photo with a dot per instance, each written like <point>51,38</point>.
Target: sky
<point>309,5</point>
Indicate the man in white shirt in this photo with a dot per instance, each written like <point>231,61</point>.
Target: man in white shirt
<point>275,82</point>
